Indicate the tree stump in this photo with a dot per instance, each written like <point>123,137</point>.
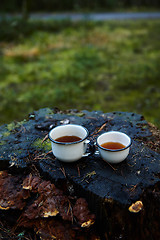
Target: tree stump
<point>109,189</point>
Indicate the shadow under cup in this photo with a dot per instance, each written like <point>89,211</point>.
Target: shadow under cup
<point>69,151</point>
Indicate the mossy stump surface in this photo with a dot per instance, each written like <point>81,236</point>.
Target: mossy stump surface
<point>109,189</point>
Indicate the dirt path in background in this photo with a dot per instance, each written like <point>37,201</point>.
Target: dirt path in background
<point>90,16</point>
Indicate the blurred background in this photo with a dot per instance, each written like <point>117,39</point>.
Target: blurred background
<point>109,65</point>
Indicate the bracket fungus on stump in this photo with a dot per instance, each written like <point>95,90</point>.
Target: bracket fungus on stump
<point>38,200</point>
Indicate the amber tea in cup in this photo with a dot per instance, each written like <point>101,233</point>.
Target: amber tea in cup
<point>113,145</point>
<point>69,142</point>
<point>68,139</point>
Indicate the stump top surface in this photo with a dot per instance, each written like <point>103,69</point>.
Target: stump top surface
<point>24,143</point>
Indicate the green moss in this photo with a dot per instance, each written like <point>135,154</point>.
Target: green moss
<point>11,126</point>
<point>45,146</point>
<point>6,134</point>
<point>2,143</point>
<point>80,114</point>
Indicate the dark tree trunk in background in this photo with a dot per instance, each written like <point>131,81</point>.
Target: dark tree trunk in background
<point>25,9</point>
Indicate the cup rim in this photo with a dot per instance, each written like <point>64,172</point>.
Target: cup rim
<point>114,150</point>
<point>68,143</point>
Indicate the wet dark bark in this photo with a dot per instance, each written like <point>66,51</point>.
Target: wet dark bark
<point>109,189</point>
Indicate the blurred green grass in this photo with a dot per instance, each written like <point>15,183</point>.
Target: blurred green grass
<point>108,66</point>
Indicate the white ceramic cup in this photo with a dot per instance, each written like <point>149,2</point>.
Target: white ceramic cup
<point>69,151</point>
<point>114,155</point>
